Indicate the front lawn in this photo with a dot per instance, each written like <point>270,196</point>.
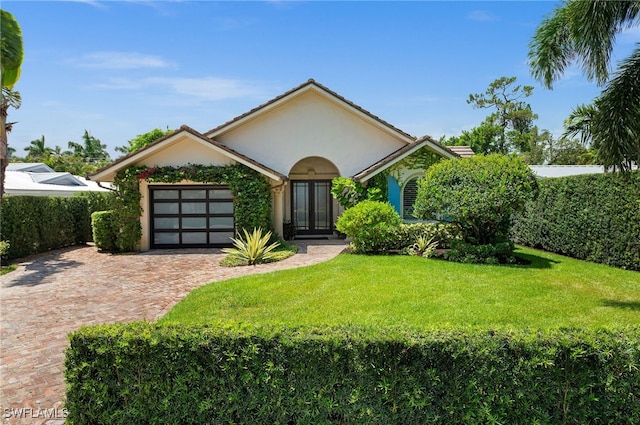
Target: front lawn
<point>553,291</point>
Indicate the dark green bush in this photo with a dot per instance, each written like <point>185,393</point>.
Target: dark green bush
<point>591,217</point>
<point>105,230</point>
<point>34,224</point>
<point>408,233</point>
<point>497,253</point>
<point>371,224</point>
<point>99,201</point>
<point>237,374</point>
<point>478,194</point>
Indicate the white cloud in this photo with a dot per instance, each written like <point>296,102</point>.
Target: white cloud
<point>481,16</point>
<point>209,88</point>
<point>205,88</point>
<point>94,3</point>
<point>119,60</point>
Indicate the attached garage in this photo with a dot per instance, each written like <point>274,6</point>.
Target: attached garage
<point>191,216</point>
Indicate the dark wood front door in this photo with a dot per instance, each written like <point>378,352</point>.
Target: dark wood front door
<point>311,204</point>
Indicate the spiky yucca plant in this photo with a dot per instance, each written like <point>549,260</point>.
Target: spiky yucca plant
<point>253,248</point>
<point>424,247</point>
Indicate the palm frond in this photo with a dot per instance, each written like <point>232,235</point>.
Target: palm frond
<point>616,127</point>
<point>584,30</point>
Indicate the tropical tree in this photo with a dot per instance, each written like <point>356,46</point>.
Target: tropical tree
<point>91,150</point>
<point>37,149</point>
<point>579,123</point>
<point>508,128</point>
<point>142,140</point>
<point>11,54</point>
<point>585,31</point>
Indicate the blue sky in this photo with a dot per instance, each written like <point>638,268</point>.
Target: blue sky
<point>122,68</point>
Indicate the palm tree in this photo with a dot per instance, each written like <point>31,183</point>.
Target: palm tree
<point>579,124</point>
<point>585,30</point>
<point>91,149</point>
<point>37,149</point>
<point>11,52</point>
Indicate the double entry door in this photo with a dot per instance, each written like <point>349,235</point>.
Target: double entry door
<point>311,204</point>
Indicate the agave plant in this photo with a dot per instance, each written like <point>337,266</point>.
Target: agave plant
<point>424,247</point>
<point>253,248</point>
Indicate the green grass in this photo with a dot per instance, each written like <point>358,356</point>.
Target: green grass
<point>553,291</point>
<point>6,269</point>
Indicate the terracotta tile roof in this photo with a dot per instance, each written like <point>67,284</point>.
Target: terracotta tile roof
<point>301,87</point>
<point>400,154</point>
<point>125,160</point>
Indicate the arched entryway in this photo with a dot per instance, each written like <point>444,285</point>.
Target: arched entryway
<point>312,206</point>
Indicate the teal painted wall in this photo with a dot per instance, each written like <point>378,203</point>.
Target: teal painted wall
<point>393,192</point>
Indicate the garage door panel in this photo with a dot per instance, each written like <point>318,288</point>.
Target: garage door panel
<point>220,222</point>
<point>194,194</point>
<point>221,207</point>
<point>166,223</point>
<point>216,238</point>
<point>165,238</point>
<point>188,216</point>
<point>194,222</point>
<point>166,208</point>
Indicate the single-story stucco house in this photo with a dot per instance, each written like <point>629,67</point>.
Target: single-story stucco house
<point>299,141</point>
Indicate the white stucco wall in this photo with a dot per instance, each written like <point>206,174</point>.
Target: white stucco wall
<point>185,150</point>
<point>312,125</point>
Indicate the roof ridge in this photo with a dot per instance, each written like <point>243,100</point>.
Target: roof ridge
<point>310,82</point>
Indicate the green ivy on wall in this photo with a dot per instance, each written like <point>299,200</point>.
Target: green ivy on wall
<point>419,160</point>
<point>250,189</point>
<point>349,192</point>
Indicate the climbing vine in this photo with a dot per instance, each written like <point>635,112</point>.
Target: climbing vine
<point>349,192</point>
<point>251,192</point>
<point>419,160</point>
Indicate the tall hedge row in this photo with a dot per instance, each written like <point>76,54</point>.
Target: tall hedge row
<point>34,224</point>
<point>237,374</point>
<point>590,217</point>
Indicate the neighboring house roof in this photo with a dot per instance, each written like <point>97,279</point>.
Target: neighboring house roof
<point>34,167</point>
<point>19,180</point>
<point>565,170</point>
<point>462,151</point>
<point>107,173</point>
<point>310,84</point>
<point>401,154</point>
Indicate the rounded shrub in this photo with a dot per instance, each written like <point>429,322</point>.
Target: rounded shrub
<point>105,230</point>
<point>371,224</point>
<point>478,194</point>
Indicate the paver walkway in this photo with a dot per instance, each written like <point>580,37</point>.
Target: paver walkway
<point>53,294</point>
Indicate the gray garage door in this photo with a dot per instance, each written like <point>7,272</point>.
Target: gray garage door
<point>191,216</point>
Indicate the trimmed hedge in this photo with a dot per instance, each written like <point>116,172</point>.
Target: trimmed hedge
<point>408,233</point>
<point>233,374</point>
<point>99,201</point>
<point>105,230</point>
<point>34,224</point>
<point>590,217</point>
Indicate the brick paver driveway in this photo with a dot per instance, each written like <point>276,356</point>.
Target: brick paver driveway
<point>50,295</point>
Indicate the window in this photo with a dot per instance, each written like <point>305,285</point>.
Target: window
<point>409,195</point>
